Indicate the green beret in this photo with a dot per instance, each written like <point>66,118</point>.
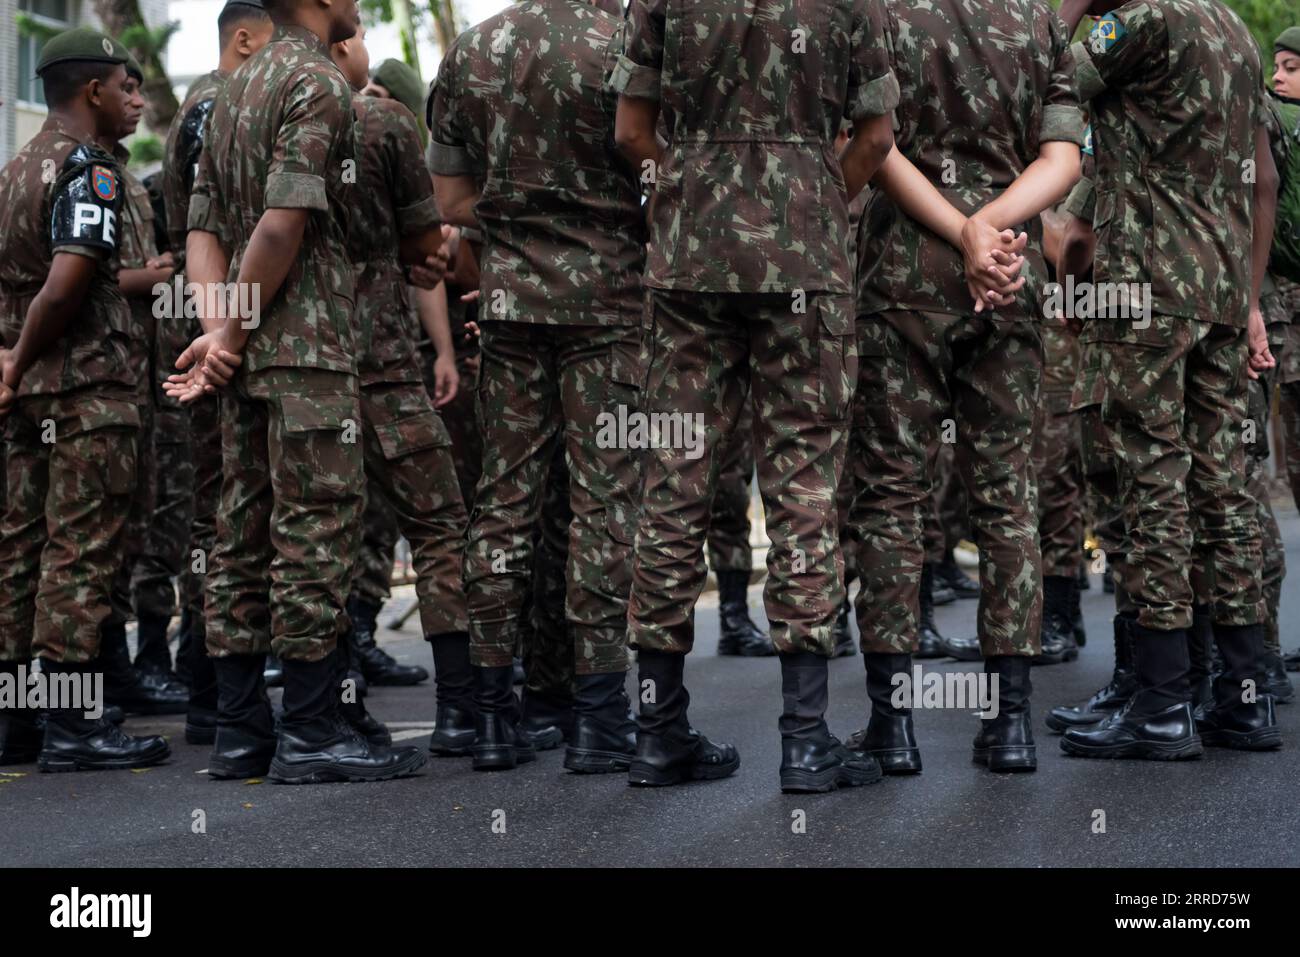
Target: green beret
<point>403,83</point>
<point>133,68</point>
<point>81,43</point>
<point>255,4</point>
<point>1288,39</point>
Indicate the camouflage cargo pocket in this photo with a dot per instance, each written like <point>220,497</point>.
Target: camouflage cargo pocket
<point>320,445</point>
<point>838,354</point>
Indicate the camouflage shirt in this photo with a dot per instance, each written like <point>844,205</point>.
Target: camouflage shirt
<point>984,83</point>
<point>750,196</point>
<point>181,153</point>
<point>136,247</point>
<point>1174,92</point>
<point>521,105</point>
<point>280,136</point>
<point>61,193</point>
<point>394,198</point>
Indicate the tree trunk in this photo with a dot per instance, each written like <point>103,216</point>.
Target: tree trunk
<point>159,100</point>
<point>444,22</point>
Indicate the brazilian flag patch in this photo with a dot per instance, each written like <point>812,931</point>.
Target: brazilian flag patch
<point>1106,32</point>
<point>1087,140</point>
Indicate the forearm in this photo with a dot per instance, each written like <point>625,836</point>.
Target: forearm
<point>137,283</point>
<point>431,306</point>
<point>48,317</point>
<point>1043,183</point>
<point>872,142</point>
<point>205,265</point>
<point>456,197</point>
<point>915,195</point>
<point>272,250</point>
<point>1265,214</point>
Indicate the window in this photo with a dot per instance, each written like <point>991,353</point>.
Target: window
<point>50,13</point>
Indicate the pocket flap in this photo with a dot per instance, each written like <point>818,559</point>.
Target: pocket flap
<point>836,316</point>
<point>401,437</point>
<point>310,413</point>
<point>103,414</point>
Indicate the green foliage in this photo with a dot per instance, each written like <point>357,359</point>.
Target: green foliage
<point>145,149</point>
<point>1266,19</point>
<point>149,41</point>
<point>29,27</point>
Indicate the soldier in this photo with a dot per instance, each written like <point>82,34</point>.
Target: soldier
<point>243,28</point>
<point>522,145</point>
<point>730,555</point>
<point>928,353</point>
<point>749,298</point>
<point>408,460</point>
<point>268,213</point>
<point>67,390</point>
<point>1173,90</point>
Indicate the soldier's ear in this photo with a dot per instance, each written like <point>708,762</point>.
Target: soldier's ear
<point>94,92</point>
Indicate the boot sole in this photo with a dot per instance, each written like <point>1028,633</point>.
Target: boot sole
<point>501,759</point>
<point>229,771</point>
<point>588,761</point>
<point>1261,739</point>
<point>1147,750</point>
<point>1006,759</point>
<point>62,765</point>
<point>641,775</point>
<point>795,781</point>
<point>327,772</point>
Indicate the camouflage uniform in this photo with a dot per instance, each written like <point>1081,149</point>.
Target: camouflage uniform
<point>944,516</point>
<point>62,534</point>
<point>925,354</point>
<point>1289,387</point>
<point>1259,412</point>
<point>1058,465</point>
<point>180,160</point>
<point>519,105</point>
<point>408,463</point>
<point>728,539</point>
<point>750,283</point>
<point>293,482</point>
<point>1172,210</point>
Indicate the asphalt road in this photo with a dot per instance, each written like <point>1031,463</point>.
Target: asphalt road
<point>1227,809</point>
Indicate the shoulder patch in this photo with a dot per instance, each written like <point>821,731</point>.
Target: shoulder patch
<point>1087,140</point>
<point>103,182</point>
<point>1106,32</point>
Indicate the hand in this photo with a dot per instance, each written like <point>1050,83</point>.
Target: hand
<point>1261,357</point>
<point>446,381</point>
<point>8,382</point>
<point>469,297</point>
<point>433,270</point>
<point>471,331</point>
<point>993,260</point>
<point>165,261</point>
<point>209,364</point>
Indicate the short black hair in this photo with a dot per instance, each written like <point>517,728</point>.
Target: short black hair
<point>63,81</point>
<point>234,16</point>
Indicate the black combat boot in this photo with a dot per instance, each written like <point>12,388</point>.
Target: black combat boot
<point>126,686</point>
<point>668,750</point>
<point>498,744</point>
<point>20,731</point>
<point>244,742</point>
<point>453,690</point>
<point>1123,683</point>
<point>929,643</point>
<point>377,665</point>
<point>1291,660</point>
<point>842,633</point>
<point>1108,578</point>
<point>1006,742</point>
<point>1242,715</point>
<point>812,759</point>
<point>317,744</point>
<point>545,719</point>
<point>604,733</point>
<point>889,736</point>
<point>73,742</point>
<point>1076,609</point>
<point>352,706</point>
<point>1057,635</point>
<point>940,593</point>
<point>185,647</point>
<point>1275,681</point>
<point>963,649</point>
<point>151,651</point>
<point>274,674</point>
<point>201,716</point>
<point>739,634</point>
<point>1200,659</point>
<point>1156,722</point>
<point>951,575</point>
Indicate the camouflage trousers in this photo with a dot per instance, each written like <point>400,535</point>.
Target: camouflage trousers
<point>205,450</point>
<point>547,643</point>
<point>1101,476</point>
<point>728,540</point>
<point>1289,403</point>
<point>706,353</point>
<point>540,384</point>
<point>70,461</point>
<point>409,466</point>
<point>143,500</point>
<point>460,416</point>
<point>944,523</point>
<point>1272,549</point>
<point>1058,470</point>
<point>165,541</point>
<point>289,523</point>
<point>916,370</point>
<point>373,576</point>
<point>1174,406</point>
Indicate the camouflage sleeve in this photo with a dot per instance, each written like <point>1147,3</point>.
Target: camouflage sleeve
<point>873,88</point>
<point>1082,200</point>
<point>447,153</point>
<point>86,205</point>
<point>1125,44</point>
<point>205,205</point>
<point>412,188</point>
<point>1062,119</point>
<point>638,71</point>
<point>319,107</point>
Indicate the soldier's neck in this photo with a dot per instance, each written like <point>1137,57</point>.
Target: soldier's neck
<point>78,122</point>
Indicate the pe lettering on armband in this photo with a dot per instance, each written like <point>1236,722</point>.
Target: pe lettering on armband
<point>85,209</point>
